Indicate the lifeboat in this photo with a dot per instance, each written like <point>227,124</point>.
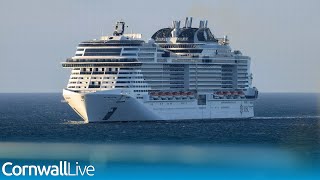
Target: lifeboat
<point>161,94</point>
<point>189,94</point>
<point>165,95</point>
<point>168,95</point>
<point>216,95</point>
<point>176,94</point>
<point>153,94</point>
<point>219,94</point>
<point>184,95</point>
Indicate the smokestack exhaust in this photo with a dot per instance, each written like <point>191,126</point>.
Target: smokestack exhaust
<point>190,23</point>
<point>186,23</point>
<point>201,25</point>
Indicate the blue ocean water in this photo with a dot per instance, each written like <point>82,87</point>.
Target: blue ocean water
<point>282,141</point>
<point>281,119</point>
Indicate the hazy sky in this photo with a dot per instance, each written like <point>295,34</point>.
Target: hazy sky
<point>281,36</point>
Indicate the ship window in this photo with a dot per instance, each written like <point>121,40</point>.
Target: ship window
<point>129,54</point>
<point>130,49</point>
<point>78,54</point>
<point>166,54</point>
<point>104,50</point>
<point>186,50</point>
<point>102,54</point>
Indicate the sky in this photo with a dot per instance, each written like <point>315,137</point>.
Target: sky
<point>282,37</point>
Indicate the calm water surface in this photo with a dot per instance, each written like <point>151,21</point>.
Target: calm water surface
<point>281,142</point>
<point>281,119</point>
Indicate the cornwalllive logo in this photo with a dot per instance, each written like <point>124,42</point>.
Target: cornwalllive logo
<point>64,168</point>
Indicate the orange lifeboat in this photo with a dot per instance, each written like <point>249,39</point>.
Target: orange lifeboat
<point>176,94</point>
<point>168,93</point>
<point>161,93</point>
<point>183,94</point>
<point>153,94</point>
<point>189,93</point>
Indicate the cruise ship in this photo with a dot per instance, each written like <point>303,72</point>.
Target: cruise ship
<point>181,73</point>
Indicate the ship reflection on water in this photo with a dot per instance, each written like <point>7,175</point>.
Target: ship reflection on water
<point>123,161</point>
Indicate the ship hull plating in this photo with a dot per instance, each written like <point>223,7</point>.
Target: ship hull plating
<point>104,106</point>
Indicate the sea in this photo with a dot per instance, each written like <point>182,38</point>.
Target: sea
<point>282,141</point>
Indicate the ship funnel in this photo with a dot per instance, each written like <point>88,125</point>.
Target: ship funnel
<point>206,23</point>
<point>201,25</point>
<point>176,27</point>
<point>176,24</point>
<point>186,23</point>
<point>190,23</point>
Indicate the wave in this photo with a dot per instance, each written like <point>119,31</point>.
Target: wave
<point>74,122</point>
<point>79,122</point>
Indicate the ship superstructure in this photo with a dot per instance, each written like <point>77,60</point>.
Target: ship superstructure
<point>181,73</point>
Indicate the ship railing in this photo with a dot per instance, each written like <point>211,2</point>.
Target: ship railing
<point>102,60</point>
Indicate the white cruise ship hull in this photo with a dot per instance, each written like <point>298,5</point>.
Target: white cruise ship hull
<point>113,105</point>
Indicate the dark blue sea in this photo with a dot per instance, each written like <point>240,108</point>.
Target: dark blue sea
<point>282,141</point>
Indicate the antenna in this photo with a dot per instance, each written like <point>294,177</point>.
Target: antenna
<point>104,40</point>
